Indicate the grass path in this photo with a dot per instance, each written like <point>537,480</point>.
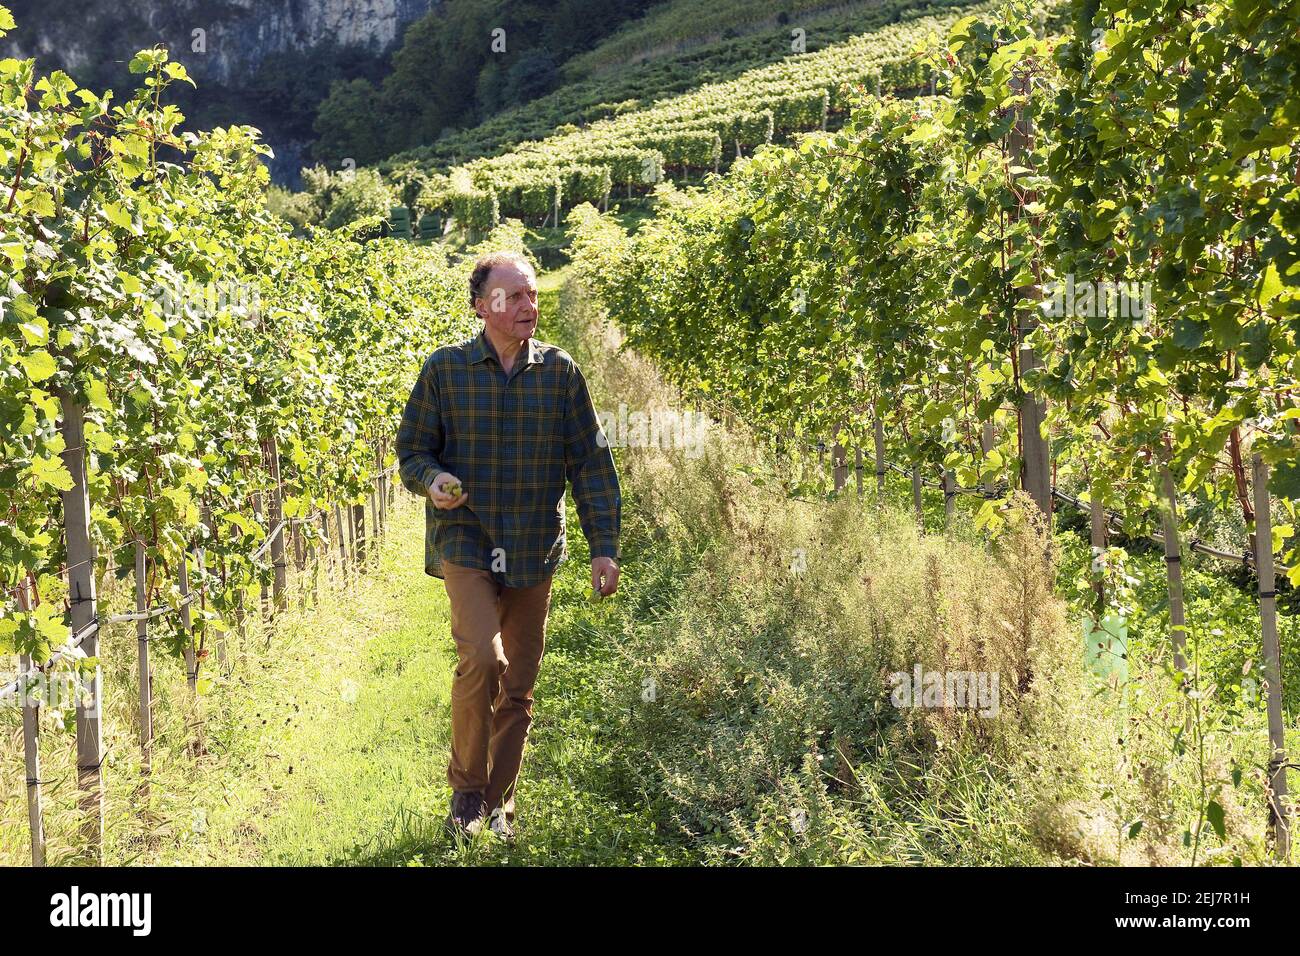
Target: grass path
<point>362,777</point>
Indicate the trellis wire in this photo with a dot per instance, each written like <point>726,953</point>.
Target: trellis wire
<point>82,583</point>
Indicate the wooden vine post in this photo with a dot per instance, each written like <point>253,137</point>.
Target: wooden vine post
<point>1277,764</point>
<point>320,553</point>
<point>241,614</point>
<point>382,484</point>
<point>211,524</point>
<point>386,500</point>
<point>81,597</point>
<point>349,514</point>
<point>307,528</point>
<point>299,560</point>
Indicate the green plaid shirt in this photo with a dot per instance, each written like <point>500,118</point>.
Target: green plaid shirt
<point>513,441</point>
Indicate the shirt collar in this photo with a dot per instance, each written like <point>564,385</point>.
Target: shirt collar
<point>482,348</point>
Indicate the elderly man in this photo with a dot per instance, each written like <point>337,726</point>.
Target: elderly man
<point>493,429</point>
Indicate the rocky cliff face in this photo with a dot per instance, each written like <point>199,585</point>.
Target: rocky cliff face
<point>222,41</point>
<point>263,62</point>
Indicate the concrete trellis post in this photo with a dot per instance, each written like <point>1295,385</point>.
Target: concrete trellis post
<point>839,466</point>
<point>916,497</point>
<point>987,441</point>
<point>81,596</point>
<point>275,515</point>
<point>343,539</point>
<point>31,742</point>
<point>1097,533</point>
<point>359,533</point>
<point>949,496</point>
<point>1174,564</point>
<point>187,625</point>
<point>879,439</point>
<point>1272,653</point>
<point>142,644</point>
<point>1035,450</point>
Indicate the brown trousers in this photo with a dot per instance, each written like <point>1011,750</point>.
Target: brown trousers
<point>500,634</point>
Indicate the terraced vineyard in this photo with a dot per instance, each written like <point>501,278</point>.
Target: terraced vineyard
<point>633,87</point>
<point>636,149</point>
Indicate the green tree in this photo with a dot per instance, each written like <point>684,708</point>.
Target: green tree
<point>363,193</point>
<point>350,124</point>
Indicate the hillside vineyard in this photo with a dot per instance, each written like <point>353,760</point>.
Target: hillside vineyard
<point>1074,271</point>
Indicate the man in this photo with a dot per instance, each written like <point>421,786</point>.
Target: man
<point>493,428</point>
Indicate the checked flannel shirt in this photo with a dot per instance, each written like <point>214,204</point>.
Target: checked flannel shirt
<point>513,440</point>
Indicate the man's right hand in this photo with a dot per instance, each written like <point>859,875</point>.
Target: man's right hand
<point>438,493</point>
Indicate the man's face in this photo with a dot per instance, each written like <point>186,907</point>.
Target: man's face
<point>509,301</point>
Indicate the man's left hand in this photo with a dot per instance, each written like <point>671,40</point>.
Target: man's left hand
<point>604,576</point>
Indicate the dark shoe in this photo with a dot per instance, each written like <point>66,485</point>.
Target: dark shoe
<point>502,828</point>
<point>467,813</point>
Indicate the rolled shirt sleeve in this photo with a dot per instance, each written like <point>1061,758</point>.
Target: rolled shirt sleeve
<point>589,468</point>
<point>419,437</point>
